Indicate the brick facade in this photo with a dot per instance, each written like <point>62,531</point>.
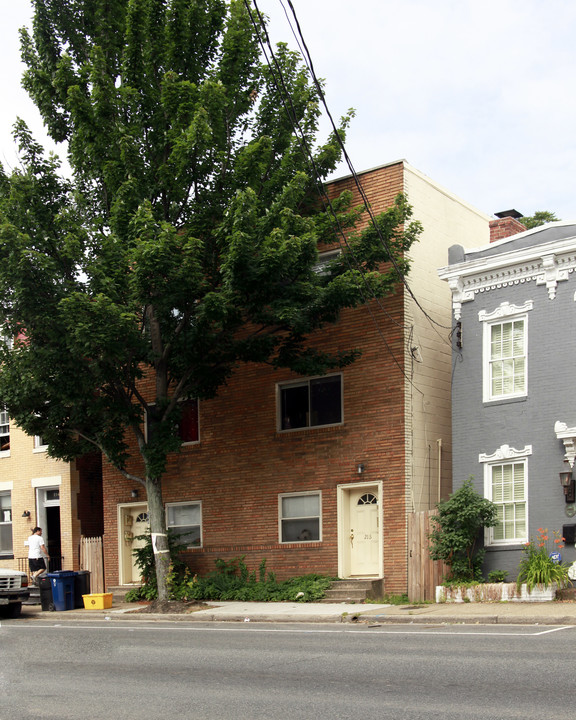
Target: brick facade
<point>26,473</point>
<point>243,462</point>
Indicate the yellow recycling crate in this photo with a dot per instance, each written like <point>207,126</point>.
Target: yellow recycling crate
<point>97,601</point>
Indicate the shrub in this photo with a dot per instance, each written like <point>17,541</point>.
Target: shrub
<point>231,580</point>
<point>537,567</point>
<point>144,560</point>
<point>458,526</point>
<point>497,576</point>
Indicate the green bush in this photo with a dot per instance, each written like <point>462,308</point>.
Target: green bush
<point>231,580</point>
<point>537,567</point>
<point>497,576</point>
<point>457,529</point>
<point>144,560</point>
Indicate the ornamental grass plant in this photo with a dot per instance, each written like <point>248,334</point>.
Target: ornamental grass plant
<point>537,568</point>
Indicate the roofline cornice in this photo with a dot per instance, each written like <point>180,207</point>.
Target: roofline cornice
<point>546,264</point>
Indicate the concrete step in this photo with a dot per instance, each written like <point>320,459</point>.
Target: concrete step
<point>119,592</point>
<point>354,591</point>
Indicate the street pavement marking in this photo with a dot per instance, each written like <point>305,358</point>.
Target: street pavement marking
<point>179,627</point>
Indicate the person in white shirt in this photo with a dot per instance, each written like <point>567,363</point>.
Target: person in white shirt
<point>37,554</point>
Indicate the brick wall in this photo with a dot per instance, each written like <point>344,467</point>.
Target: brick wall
<point>242,462</point>
<point>505,227</point>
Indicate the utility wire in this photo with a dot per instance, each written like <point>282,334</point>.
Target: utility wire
<point>310,66</point>
<point>273,65</point>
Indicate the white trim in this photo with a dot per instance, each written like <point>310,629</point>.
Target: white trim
<point>568,437</point>
<point>37,447</point>
<point>546,264</point>
<point>179,504</point>
<point>505,452</point>
<point>502,456</point>
<point>280,516</point>
<point>6,485</point>
<point>342,510</point>
<point>503,313</point>
<point>46,481</point>
<point>120,536</point>
<point>505,310</point>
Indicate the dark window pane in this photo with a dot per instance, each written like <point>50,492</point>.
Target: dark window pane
<point>6,538</point>
<point>304,530</point>
<point>294,407</point>
<point>188,428</point>
<point>188,536</point>
<point>325,401</point>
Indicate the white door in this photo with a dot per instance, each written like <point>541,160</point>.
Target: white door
<point>364,533</point>
<point>134,523</point>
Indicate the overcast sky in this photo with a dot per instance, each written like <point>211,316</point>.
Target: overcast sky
<point>479,96</point>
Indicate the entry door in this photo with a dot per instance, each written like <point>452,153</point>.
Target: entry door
<point>364,533</point>
<point>134,523</point>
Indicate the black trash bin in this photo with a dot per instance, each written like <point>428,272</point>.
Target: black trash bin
<point>81,587</point>
<point>46,593</point>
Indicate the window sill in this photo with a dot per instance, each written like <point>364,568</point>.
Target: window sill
<point>504,401</point>
<point>502,548</point>
<point>310,428</point>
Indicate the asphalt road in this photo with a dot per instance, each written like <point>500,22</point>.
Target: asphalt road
<point>161,671</point>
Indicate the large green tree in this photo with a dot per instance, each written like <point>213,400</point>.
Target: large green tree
<point>182,243</point>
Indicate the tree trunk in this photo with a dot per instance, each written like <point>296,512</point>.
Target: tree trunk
<point>158,534</point>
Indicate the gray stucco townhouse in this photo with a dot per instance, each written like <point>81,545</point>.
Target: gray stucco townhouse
<point>514,384</point>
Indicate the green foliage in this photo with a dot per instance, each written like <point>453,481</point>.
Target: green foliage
<point>497,576</point>
<point>145,562</point>
<point>183,244</point>
<point>540,217</point>
<point>457,529</point>
<point>537,567</point>
<point>231,580</point>
<point>390,600</point>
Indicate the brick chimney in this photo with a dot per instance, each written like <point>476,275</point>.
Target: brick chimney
<point>506,224</point>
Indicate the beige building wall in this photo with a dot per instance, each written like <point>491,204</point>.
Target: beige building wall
<point>446,220</point>
<point>27,472</point>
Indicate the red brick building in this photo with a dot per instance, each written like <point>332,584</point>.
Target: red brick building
<point>319,474</point>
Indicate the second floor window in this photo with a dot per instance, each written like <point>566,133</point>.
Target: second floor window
<point>508,359</point>
<point>311,403</point>
<point>4,431</point>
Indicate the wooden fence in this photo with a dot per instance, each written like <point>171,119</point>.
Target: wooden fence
<point>92,559</point>
<point>424,574</point>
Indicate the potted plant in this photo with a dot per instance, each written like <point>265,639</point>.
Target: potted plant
<point>538,569</point>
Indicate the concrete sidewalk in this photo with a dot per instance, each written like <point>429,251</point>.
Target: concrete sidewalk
<point>510,613</point>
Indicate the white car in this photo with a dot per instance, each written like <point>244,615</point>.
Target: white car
<point>13,591</point>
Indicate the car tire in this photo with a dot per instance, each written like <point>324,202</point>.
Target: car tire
<point>13,610</point>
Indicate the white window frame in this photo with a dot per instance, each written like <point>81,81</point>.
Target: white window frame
<point>505,313</point>
<point>4,422</point>
<point>182,503</point>
<point>39,444</point>
<point>320,267</point>
<point>506,455</point>
<point>3,522</point>
<point>318,517</point>
<point>301,383</point>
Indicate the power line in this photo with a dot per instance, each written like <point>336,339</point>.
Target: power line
<point>274,66</point>
<point>310,66</point>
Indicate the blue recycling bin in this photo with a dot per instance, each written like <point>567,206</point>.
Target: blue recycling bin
<point>62,582</point>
